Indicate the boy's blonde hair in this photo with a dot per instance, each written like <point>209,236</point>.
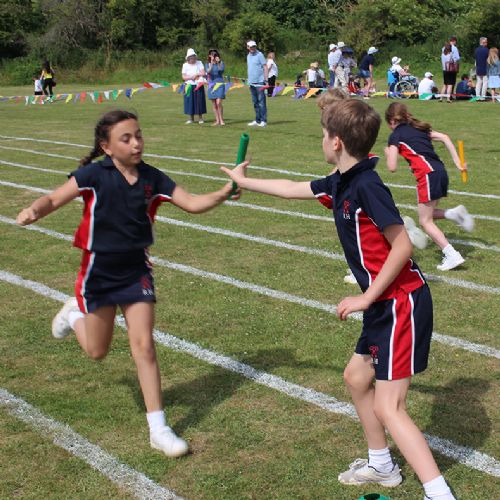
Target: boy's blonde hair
<point>355,123</point>
<point>331,96</point>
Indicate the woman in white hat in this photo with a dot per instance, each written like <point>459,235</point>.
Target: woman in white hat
<point>193,74</point>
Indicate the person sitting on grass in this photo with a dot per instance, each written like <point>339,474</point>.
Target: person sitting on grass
<point>396,301</point>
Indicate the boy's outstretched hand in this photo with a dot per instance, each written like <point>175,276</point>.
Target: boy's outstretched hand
<point>352,304</point>
<point>26,216</point>
<point>237,173</point>
<point>230,193</point>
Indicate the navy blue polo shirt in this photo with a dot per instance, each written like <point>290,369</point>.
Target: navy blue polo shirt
<point>415,146</point>
<point>362,207</point>
<point>118,216</point>
<point>366,62</point>
<point>481,55</point>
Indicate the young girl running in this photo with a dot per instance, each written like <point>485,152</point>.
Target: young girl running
<point>412,139</point>
<point>121,195</point>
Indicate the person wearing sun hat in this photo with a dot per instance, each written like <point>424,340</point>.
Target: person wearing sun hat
<point>193,74</point>
<point>339,68</point>
<point>366,70</point>
<point>331,51</point>
<point>257,78</point>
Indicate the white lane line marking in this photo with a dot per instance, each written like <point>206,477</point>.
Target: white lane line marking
<point>256,167</point>
<point>462,454</point>
<point>276,294</point>
<point>62,435</point>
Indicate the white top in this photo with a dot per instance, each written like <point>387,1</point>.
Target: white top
<point>336,57</point>
<point>331,59</point>
<point>454,52</point>
<point>425,86</point>
<point>311,75</point>
<point>396,67</point>
<point>38,86</point>
<point>191,70</point>
<point>272,67</point>
<point>445,59</point>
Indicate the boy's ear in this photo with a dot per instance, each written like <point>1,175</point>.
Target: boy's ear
<point>337,143</point>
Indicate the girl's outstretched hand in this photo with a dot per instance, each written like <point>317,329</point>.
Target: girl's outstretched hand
<point>352,304</point>
<point>26,216</point>
<point>229,193</point>
<point>237,173</point>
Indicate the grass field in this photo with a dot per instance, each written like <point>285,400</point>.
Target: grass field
<point>256,387</point>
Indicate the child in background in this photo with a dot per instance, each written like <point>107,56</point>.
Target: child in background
<point>397,324</point>
<point>312,75</point>
<point>38,90</point>
<point>121,195</point>
<point>412,139</point>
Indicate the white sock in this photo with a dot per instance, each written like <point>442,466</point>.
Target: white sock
<point>380,459</point>
<point>448,250</point>
<point>438,489</point>
<point>73,317</point>
<point>156,420</point>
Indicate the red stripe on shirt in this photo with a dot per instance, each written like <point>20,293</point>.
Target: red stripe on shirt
<point>325,200</point>
<point>85,232</point>
<point>418,164</point>
<point>154,203</point>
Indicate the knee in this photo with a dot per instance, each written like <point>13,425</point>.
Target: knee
<point>144,352</point>
<point>97,353</point>
<point>355,380</point>
<point>385,412</point>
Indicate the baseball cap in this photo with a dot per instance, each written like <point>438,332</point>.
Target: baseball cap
<point>251,43</point>
<point>428,74</point>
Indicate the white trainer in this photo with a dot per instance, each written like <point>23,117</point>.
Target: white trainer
<point>201,122</point>
<point>349,278</point>
<point>451,261</point>
<point>464,219</point>
<point>417,237</point>
<point>168,442</point>
<point>360,473</point>
<point>262,124</point>
<point>60,323</point>
<point>252,124</point>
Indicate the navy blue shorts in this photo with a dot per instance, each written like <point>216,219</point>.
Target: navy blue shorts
<point>432,186</point>
<point>397,334</point>
<point>114,279</point>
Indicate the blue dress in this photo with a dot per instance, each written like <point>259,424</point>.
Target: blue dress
<point>215,75</point>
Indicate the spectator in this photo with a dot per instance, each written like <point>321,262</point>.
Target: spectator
<point>215,73</point>
<point>257,78</point>
<point>427,86</point>
<point>449,72</point>
<point>465,89</point>
<point>311,74</point>
<point>338,67</point>
<point>366,70</point>
<point>38,90</point>
<point>272,74</point>
<point>493,72</point>
<point>331,53</point>
<point>481,55</point>
<point>396,71</point>
<point>455,54</point>
<point>348,62</point>
<point>193,74</point>
<point>47,78</point>
<point>320,77</point>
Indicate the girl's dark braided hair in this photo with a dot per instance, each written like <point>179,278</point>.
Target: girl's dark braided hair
<point>101,134</point>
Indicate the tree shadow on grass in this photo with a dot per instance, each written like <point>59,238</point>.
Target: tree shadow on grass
<point>458,413</point>
<point>203,394</point>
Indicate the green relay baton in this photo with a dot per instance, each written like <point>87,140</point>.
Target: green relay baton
<point>242,152</point>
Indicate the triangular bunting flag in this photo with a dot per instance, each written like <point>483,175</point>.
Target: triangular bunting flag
<point>70,96</point>
<point>128,93</point>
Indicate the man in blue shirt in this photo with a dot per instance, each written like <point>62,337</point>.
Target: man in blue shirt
<point>480,55</point>
<point>257,79</point>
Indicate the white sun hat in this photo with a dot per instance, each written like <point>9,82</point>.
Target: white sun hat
<point>190,52</point>
<point>341,45</point>
<point>332,46</point>
<point>428,74</point>
<point>251,43</point>
<point>372,50</point>
<point>396,60</point>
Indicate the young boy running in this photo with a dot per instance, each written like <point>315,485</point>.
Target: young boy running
<point>397,324</point>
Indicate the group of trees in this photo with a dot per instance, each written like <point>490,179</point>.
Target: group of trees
<point>63,30</point>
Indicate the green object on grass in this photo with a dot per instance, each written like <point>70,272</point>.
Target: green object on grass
<point>240,157</point>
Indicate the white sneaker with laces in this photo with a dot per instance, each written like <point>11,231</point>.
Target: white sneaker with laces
<point>188,122</point>
<point>168,442</point>
<point>417,237</point>
<point>60,323</point>
<point>262,124</point>
<point>253,124</point>
<point>451,261</point>
<point>464,219</point>
<point>360,473</point>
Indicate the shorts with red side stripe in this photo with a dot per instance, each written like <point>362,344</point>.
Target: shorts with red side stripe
<point>397,334</point>
<point>107,279</point>
<point>432,186</point>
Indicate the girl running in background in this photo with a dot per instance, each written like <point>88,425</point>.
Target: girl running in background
<point>121,195</point>
<point>412,139</point>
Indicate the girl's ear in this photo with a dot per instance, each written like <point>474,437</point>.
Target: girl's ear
<point>105,148</point>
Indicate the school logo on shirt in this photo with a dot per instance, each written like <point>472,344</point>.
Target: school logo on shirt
<point>148,191</point>
<point>147,288</point>
<point>374,354</point>
<point>347,205</point>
